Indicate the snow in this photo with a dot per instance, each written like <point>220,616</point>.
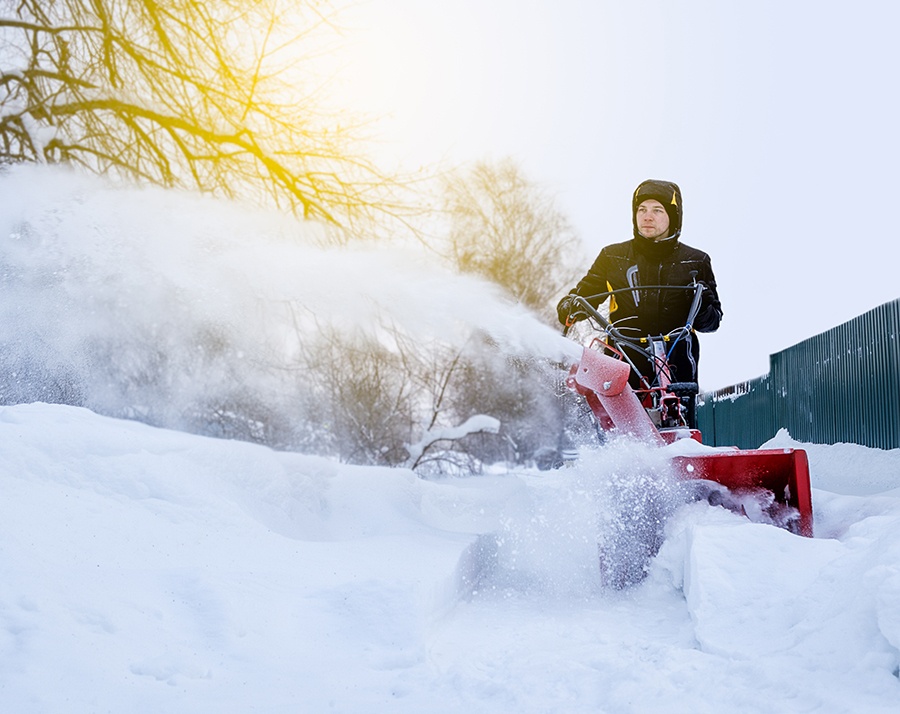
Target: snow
<point>150,570</point>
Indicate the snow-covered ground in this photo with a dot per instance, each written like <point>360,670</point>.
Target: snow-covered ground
<point>145,570</point>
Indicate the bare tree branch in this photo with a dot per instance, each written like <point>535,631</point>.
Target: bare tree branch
<point>185,94</point>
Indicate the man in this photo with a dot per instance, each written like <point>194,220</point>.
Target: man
<point>654,256</point>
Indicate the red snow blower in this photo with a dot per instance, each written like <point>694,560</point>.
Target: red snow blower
<point>767,485</point>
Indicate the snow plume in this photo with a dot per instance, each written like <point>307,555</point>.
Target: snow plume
<point>546,542</point>
<point>618,496</point>
<point>637,491</point>
<point>169,307</point>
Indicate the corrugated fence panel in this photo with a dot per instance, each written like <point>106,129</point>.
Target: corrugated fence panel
<point>706,422</point>
<point>840,386</point>
<point>743,414</point>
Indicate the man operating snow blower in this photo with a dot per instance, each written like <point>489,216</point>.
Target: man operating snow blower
<point>653,257</point>
<point>638,377</point>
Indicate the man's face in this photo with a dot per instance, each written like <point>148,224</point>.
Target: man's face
<point>652,220</point>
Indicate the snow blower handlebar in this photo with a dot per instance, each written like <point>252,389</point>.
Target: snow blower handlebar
<point>582,305</point>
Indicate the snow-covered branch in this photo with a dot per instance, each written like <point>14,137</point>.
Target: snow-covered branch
<point>479,424</point>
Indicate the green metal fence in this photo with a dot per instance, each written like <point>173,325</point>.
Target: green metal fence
<point>840,386</point>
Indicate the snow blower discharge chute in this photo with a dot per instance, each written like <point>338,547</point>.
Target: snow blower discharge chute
<point>656,414</point>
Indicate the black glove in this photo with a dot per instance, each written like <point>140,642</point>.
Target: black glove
<point>705,295</point>
<point>565,307</point>
<point>709,314</point>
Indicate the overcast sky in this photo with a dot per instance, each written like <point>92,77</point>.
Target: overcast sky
<point>777,118</point>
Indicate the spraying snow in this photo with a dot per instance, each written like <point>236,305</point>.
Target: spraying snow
<point>163,306</point>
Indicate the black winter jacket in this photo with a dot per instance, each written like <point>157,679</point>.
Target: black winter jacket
<point>640,261</point>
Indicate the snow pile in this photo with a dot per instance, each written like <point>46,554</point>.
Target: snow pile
<point>151,570</point>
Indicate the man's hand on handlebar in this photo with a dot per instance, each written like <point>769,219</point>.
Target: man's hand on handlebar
<point>564,311</point>
<point>705,295</point>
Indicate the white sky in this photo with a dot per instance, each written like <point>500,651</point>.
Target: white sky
<point>776,118</point>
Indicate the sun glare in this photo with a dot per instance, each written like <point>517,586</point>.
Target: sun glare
<point>423,71</point>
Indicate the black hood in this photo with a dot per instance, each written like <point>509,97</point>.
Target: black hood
<point>668,194</point>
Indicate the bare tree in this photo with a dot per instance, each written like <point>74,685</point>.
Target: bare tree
<point>510,231</point>
<point>179,93</point>
<point>387,399</point>
<point>358,389</point>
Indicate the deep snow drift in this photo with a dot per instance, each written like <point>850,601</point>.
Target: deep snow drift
<point>145,570</point>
